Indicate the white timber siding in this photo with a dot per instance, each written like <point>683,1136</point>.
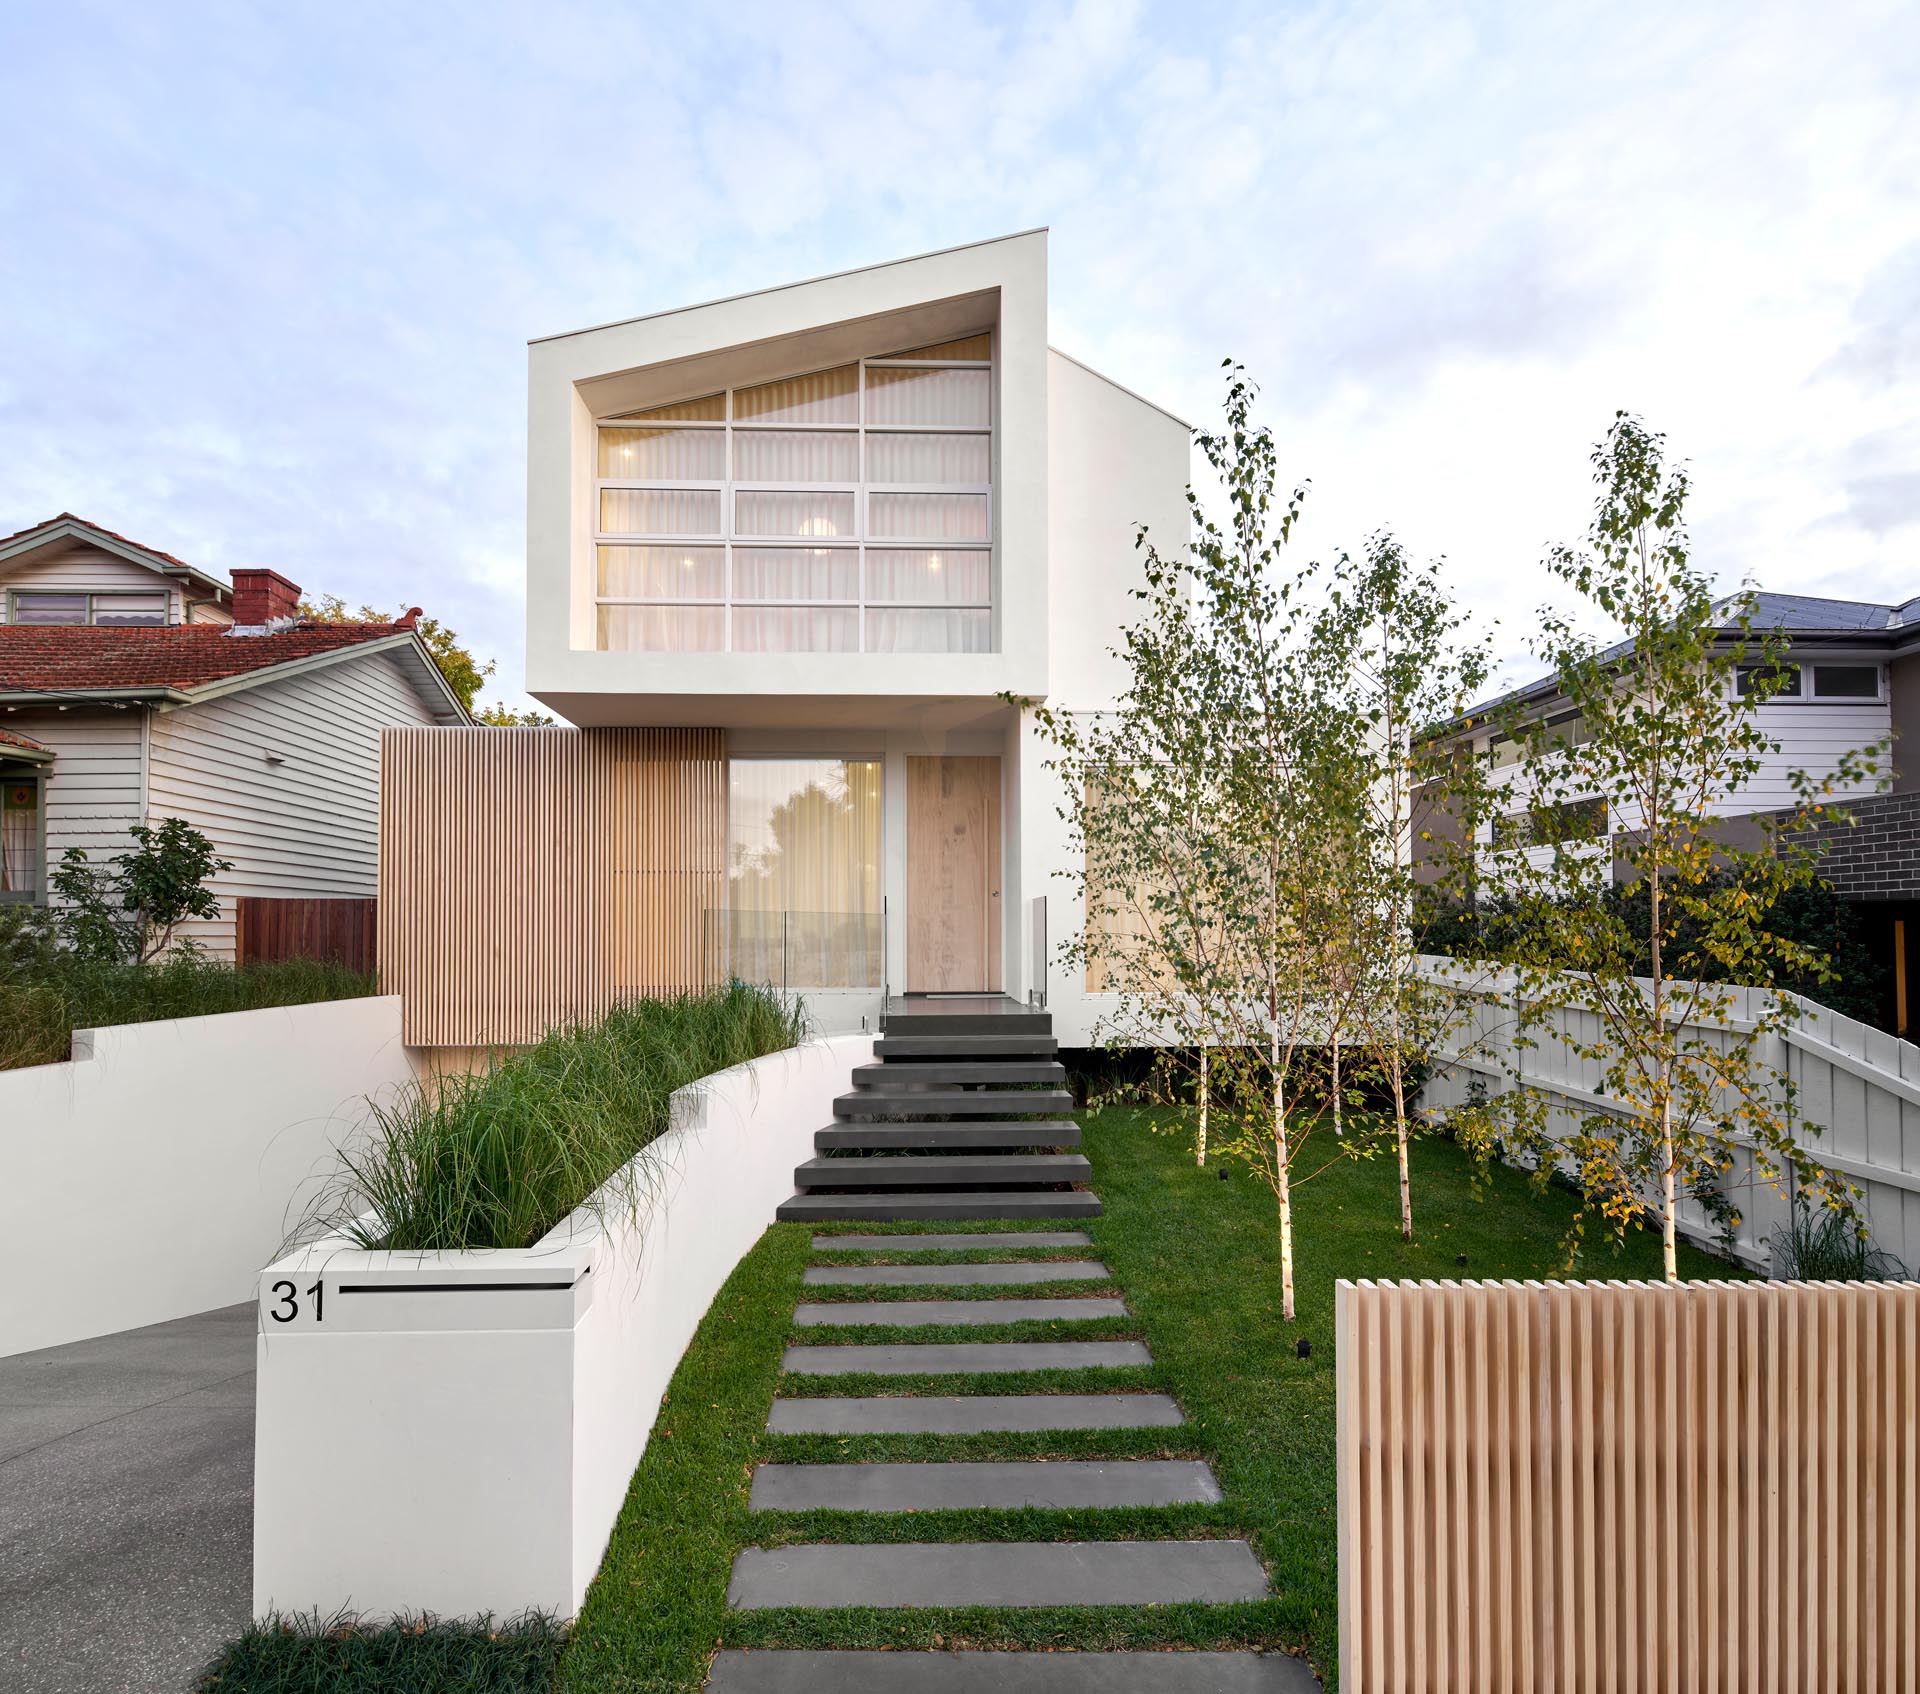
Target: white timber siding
<point>306,826</point>
<point>93,785</point>
<point>89,570</point>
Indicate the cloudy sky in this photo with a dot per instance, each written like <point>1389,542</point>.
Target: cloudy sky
<point>269,270</point>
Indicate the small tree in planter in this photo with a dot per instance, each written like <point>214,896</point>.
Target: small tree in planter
<point>130,913</point>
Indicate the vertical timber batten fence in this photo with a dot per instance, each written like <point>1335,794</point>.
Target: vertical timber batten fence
<point>530,877</point>
<point>1603,1486</point>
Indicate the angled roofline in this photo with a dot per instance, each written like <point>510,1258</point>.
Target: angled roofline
<point>68,527</point>
<point>804,282</point>
<point>1131,393</point>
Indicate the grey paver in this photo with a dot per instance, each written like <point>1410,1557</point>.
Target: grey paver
<point>1008,1573</point>
<point>916,1358</point>
<point>1055,1484</point>
<point>810,1314</point>
<point>955,1276</point>
<point>969,1414</point>
<point>952,1204</point>
<point>843,1672</point>
<point>952,1242</point>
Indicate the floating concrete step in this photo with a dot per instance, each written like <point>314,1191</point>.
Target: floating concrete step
<point>984,1046</point>
<point>954,1276</point>
<point>945,1358</point>
<point>956,1204</point>
<point>958,1242</point>
<point>880,1137</point>
<point>1009,1573</point>
<point>844,1671</point>
<point>901,1314</point>
<point>985,1073</point>
<point>942,1170</point>
<point>948,1021</point>
<point>1045,1484</point>
<point>970,1414</point>
<point>952,1102</point>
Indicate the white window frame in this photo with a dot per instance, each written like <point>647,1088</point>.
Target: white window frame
<point>1803,693</point>
<point>858,541</point>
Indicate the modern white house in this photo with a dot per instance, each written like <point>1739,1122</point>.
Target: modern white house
<point>134,687</point>
<point>830,530</point>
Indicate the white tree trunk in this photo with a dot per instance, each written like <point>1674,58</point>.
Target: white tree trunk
<point>1339,1127</point>
<point>1282,1188</point>
<point>1669,1219</point>
<point>1205,1090</point>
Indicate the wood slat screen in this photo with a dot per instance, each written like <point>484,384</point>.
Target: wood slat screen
<point>530,877</point>
<point>268,930</point>
<point>1586,1486</point>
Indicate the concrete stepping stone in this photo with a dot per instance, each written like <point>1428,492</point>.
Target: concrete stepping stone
<point>939,1358</point>
<point>952,1204</point>
<point>1003,1573</point>
<point>787,1671</point>
<point>1054,1484</point>
<point>951,1243</point>
<point>970,1414</point>
<point>810,1314</point>
<point>955,1276</point>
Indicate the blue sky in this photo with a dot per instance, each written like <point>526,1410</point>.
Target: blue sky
<point>270,270</point>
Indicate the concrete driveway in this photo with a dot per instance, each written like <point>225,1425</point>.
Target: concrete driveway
<point>126,1506</point>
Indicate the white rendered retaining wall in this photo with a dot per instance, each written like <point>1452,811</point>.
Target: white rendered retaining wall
<point>152,1175</point>
<point>455,1432</point>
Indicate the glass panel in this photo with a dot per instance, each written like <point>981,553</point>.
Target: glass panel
<point>663,629</point>
<point>796,573</point>
<point>1846,682</point>
<point>795,629</point>
<point>1749,678</point>
<point>826,397</point>
<point>803,871</point>
<point>917,631</point>
<point>798,513</point>
<point>933,517</point>
<point>928,397</point>
<point>677,455</point>
<point>795,455</point>
<point>929,577</point>
<point>50,608</point>
<point>664,573</point>
<point>709,408</point>
<point>973,347</point>
<point>19,838</point>
<point>929,458</point>
<point>660,511</point>
<point>121,611</point>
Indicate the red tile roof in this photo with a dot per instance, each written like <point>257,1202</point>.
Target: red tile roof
<point>82,659</point>
<point>13,738</point>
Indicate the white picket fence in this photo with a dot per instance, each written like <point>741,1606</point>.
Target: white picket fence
<point>1858,1100</point>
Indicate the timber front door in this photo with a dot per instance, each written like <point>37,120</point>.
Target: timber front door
<point>953,875</point>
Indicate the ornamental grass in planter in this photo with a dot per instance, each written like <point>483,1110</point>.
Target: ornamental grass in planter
<point>497,1158</point>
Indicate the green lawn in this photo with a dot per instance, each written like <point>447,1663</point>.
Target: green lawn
<point>1195,1257</point>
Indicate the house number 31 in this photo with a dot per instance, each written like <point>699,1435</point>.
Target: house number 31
<point>289,1302</point>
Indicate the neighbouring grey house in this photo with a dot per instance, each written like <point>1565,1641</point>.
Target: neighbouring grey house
<point>134,687</point>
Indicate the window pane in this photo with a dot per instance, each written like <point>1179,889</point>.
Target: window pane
<point>19,838</point>
<point>796,573</point>
<point>928,577</point>
<point>826,397</point>
<point>928,397</point>
<point>794,629</point>
<point>1846,682</point>
<point>799,513</point>
<point>130,610</point>
<point>709,408</point>
<point>930,517</point>
<point>795,455</point>
<point>50,608</point>
<point>973,347</point>
<point>929,458</point>
<point>677,455</point>
<point>663,629</point>
<point>1750,677</point>
<point>660,511</point>
<point>916,631</point>
<point>664,573</point>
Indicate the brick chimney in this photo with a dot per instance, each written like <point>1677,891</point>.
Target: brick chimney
<point>261,596</point>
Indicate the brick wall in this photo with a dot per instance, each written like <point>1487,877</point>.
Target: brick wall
<point>1878,857</point>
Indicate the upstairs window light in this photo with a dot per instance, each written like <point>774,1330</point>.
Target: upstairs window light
<point>845,510</point>
<point>116,611</point>
<point>1811,682</point>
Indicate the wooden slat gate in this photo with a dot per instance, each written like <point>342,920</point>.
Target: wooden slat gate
<point>269,930</point>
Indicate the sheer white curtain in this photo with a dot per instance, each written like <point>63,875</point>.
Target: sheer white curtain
<point>19,837</point>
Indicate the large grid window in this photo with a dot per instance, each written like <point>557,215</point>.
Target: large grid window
<point>845,511</point>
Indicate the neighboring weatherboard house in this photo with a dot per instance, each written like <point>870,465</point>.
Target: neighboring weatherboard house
<point>134,687</point>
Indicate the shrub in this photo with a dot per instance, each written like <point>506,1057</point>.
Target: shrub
<point>497,1158</point>
<point>131,912</point>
